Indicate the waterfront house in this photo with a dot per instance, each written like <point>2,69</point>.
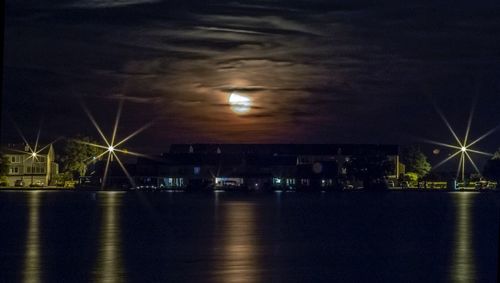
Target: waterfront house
<point>261,166</point>
<point>29,169</point>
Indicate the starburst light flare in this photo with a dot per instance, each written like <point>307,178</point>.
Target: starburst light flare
<point>112,145</point>
<point>33,150</point>
<point>463,147</point>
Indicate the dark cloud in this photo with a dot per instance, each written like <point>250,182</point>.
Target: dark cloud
<point>319,71</point>
<point>99,4</point>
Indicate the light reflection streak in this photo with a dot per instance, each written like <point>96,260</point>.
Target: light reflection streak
<point>239,260</point>
<point>463,267</point>
<point>32,256</point>
<point>109,262</point>
<point>106,168</point>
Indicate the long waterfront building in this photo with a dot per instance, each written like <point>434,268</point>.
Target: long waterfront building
<point>264,166</point>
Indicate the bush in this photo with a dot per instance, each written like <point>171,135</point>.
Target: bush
<point>411,177</point>
<point>61,178</point>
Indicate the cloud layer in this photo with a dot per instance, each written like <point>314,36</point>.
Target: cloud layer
<point>317,71</point>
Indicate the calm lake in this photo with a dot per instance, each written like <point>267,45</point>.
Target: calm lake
<point>224,237</point>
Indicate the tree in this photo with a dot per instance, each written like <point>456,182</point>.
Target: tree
<point>415,161</point>
<point>492,170</point>
<point>77,154</point>
<point>4,164</point>
<point>496,156</point>
<point>370,167</point>
<point>411,177</point>
<point>4,168</point>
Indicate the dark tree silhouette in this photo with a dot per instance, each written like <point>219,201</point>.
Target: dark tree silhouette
<point>77,155</point>
<point>492,170</point>
<point>371,168</point>
<point>415,161</point>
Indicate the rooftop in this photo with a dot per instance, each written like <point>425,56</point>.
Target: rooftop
<point>283,149</point>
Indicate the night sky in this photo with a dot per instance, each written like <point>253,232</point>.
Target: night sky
<point>315,71</point>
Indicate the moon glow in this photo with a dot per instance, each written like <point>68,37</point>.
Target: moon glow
<point>239,104</point>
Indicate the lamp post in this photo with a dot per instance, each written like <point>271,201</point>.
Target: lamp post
<point>24,169</point>
<point>33,155</point>
<point>111,149</point>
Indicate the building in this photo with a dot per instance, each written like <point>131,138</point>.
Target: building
<point>116,178</point>
<point>264,166</point>
<point>29,169</point>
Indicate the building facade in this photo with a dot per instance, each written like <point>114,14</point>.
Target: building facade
<point>30,169</point>
<point>265,166</point>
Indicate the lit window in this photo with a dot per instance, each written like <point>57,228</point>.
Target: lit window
<point>15,159</point>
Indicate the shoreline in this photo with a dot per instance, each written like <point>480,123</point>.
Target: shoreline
<point>410,190</point>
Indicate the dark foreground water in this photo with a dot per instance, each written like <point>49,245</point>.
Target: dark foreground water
<point>221,237</point>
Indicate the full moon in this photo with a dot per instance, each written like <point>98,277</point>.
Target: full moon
<point>239,104</point>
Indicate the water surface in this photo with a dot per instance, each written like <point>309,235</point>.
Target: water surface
<point>222,237</point>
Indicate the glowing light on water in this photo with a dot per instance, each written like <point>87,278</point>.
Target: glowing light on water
<point>463,263</point>
<point>32,256</point>
<point>109,263</point>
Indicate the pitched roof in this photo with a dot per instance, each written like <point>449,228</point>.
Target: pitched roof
<point>17,148</point>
